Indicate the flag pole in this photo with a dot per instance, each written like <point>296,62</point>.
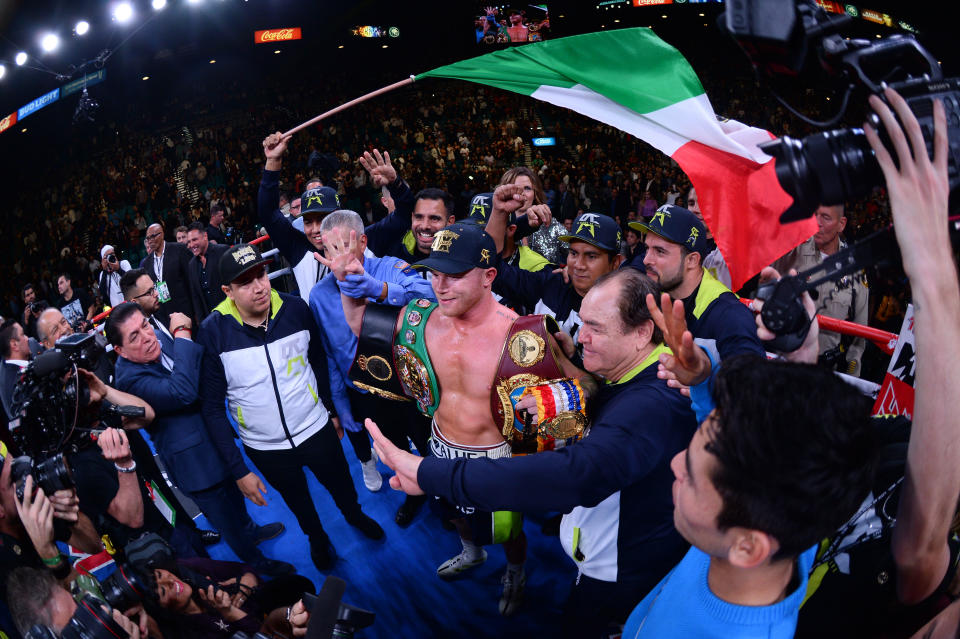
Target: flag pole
<point>347,105</point>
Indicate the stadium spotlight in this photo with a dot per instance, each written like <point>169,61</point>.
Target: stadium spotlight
<point>49,42</point>
<point>21,58</point>
<point>194,1</point>
<point>159,4</point>
<point>123,12</point>
<point>82,27</point>
<point>3,71</point>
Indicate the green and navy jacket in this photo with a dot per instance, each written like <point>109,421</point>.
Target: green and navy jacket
<point>275,382</point>
<point>718,320</point>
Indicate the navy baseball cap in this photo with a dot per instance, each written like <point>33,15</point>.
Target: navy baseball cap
<point>595,228</point>
<point>678,225</point>
<point>322,199</point>
<point>480,208</point>
<point>458,248</point>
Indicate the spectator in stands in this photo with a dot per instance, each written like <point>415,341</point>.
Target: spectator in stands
<point>181,234</point>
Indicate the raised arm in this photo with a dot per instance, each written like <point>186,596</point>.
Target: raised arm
<point>919,192</point>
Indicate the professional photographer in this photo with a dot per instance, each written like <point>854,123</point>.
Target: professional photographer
<point>27,535</point>
<point>112,270</point>
<point>36,599</point>
<point>32,307</point>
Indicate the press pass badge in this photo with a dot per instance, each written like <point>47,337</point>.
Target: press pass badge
<point>163,292</point>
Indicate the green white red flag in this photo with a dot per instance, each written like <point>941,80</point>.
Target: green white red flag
<point>636,82</point>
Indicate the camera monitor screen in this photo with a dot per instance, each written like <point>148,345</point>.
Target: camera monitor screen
<point>511,23</point>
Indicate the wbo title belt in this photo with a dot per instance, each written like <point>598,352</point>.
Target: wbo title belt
<point>528,360</point>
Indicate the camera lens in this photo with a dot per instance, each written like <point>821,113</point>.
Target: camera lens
<point>125,588</point>
<point>54,474</point>
<point>112,258</point>
<point>823,168</point>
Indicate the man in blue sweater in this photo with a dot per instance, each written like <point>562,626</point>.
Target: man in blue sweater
<point>386,280</point>
<point>614,485</point>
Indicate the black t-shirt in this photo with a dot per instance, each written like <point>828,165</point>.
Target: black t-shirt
<point>97,485</point>
<point>15,554</point>
<point>76,308</point>
<point>215,234</point>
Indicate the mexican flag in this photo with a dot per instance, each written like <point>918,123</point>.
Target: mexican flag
<point>633,80</point>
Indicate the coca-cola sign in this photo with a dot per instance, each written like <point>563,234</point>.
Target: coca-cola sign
<point>277,35</point>
<point>8,122</point>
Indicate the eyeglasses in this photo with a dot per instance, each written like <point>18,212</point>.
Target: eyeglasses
<point>153,236</point>
<point>150,291</point>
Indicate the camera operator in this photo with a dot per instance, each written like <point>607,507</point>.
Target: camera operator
<point>32,307</point>
<point>37,599</point>
<point>112,270</point>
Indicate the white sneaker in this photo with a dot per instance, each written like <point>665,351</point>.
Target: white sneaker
<point>453,567</point>
<point>371,476</point>
<point>512,597</point>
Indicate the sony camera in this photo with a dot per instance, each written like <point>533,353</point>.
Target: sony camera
<point>781,37</point>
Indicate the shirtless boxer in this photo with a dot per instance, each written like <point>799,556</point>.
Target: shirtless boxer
<point>464,339</point>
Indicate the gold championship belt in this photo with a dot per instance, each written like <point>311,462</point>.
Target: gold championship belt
<point>529,359</point>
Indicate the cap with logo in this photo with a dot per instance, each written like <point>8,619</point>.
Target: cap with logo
<point>595,228</point>
<point>240,259</point>
<point>678,225</point>
<point>322,199</point>
<point>480,208</point>
<point>459,248</point>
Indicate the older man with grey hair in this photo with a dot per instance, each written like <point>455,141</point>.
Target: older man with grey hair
<point>386,280</point>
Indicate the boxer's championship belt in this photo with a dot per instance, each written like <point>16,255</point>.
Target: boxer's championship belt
<point>527,360</point>
<point>373,367</point>
<point>416,373</point>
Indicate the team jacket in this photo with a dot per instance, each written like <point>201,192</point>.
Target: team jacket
<point>540,293</point>
<point>717,319</point>
<point>617,480</point>
<point>273,380</point>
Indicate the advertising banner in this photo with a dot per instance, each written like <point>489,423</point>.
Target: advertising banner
<point>78,84</point>
<point>267,36</point>
<point>38,103</point>
<point>8,122</point>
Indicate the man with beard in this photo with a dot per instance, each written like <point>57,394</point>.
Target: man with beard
<point>676,244</point>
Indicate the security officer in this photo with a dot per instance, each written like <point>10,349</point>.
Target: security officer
<point>676,244</point>
<point>845,300</point>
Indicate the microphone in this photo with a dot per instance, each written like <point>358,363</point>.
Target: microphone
<point>323,614</point>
